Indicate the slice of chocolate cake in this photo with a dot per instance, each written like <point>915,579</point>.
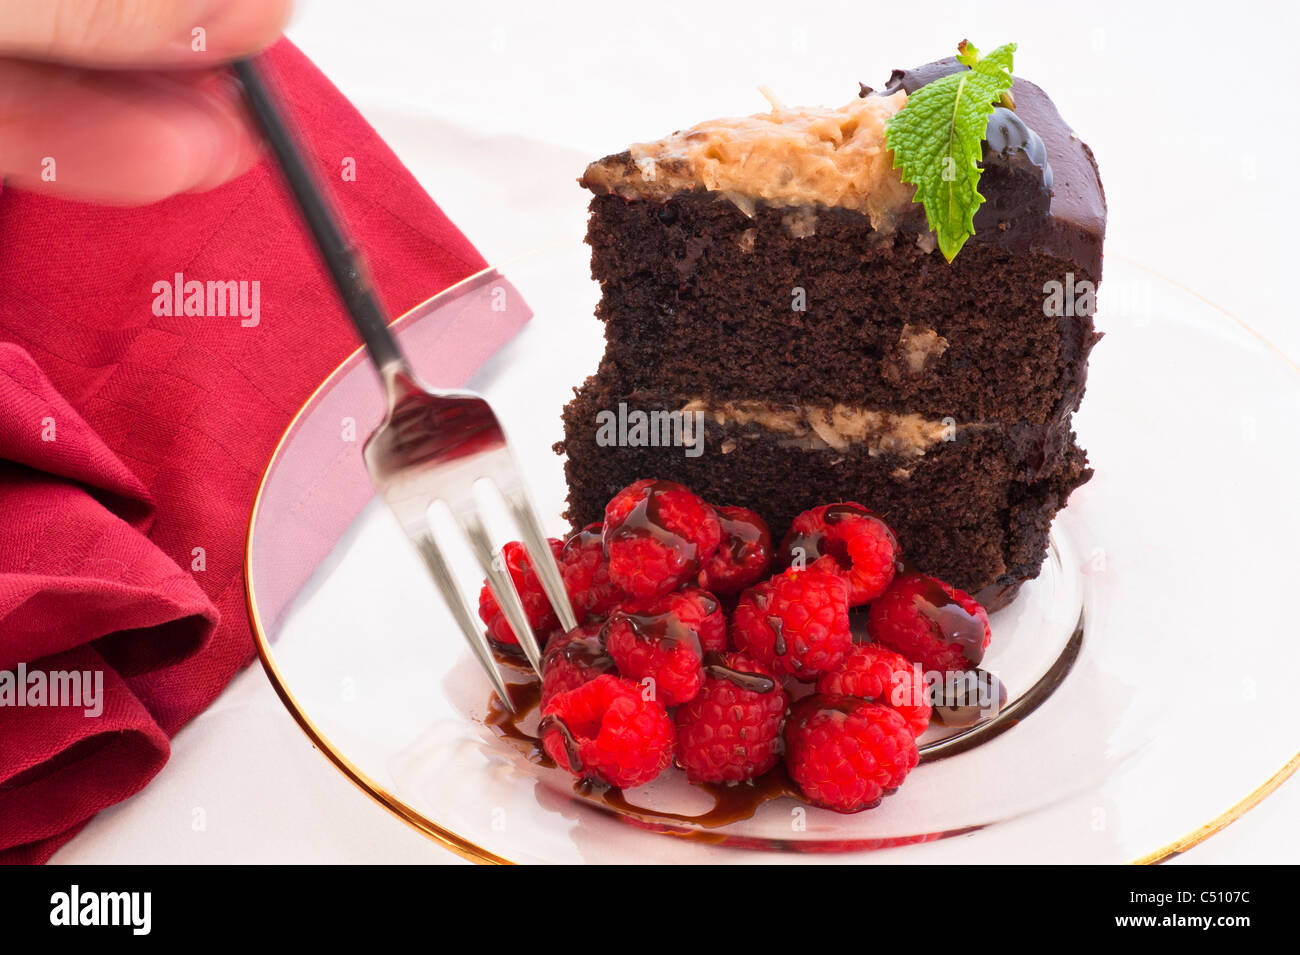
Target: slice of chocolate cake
<point>783,331</point>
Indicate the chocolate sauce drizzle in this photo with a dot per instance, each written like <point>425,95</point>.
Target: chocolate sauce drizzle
<point>956,624</point>
<point>644,521</point>
<point>816,544</point>
<point>664,629</point>
<point>571,750</point>
<point>583,650</point>
<point>588,534</point>
<point>778,634</point>
<point>708,602</point>
<point>959,704</point>
<point>753,682</point>
<point>730,803</point>
<point>743,537</point>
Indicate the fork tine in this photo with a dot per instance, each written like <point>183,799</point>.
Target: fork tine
<point>446,581</point>
<point>503,588</point>
<point>539,551</point>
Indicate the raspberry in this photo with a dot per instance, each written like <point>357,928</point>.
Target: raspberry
<point>585,569</point>
<point>928,621</point>
<point>847,754</point>
<point>537,608</point>
<point>846,539</point>
<point>881,676</point>
<point>702,612</point>
<point>731,731</point>
<point>656,534</point>
<point>797,623</point>
<point>744,555</point>
<point>605,730</point>
<point>572,659</point>
<point>651,640</point>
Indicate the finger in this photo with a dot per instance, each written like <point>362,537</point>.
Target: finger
<point>126,137</point>
<point>139,33</point>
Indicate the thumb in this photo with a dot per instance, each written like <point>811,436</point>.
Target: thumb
<point>139,33</point>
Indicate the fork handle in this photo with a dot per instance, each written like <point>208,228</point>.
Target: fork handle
<point>341,257</point>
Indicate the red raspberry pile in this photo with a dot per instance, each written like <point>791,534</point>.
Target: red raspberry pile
<point>657,674</point>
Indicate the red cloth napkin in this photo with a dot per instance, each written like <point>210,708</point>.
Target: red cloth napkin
<point>132,442</point>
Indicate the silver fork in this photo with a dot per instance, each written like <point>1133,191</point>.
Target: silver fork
<point>432,445</point>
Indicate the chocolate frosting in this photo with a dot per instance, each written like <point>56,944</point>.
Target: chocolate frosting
<point>1075,224</point>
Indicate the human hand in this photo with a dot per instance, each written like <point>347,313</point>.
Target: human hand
<point>126,100</point>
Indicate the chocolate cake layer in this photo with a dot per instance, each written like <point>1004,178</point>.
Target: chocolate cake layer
<point>698,295</point>
<point>974,510</point>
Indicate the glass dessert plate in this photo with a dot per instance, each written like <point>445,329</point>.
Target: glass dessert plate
<point>1146,709</point>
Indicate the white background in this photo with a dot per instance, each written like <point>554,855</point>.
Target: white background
<point>1189,107</point>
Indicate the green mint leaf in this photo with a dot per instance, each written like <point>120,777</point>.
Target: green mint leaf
<point>996,63</point>
<point>938,141</point>
<point>967,55</point>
